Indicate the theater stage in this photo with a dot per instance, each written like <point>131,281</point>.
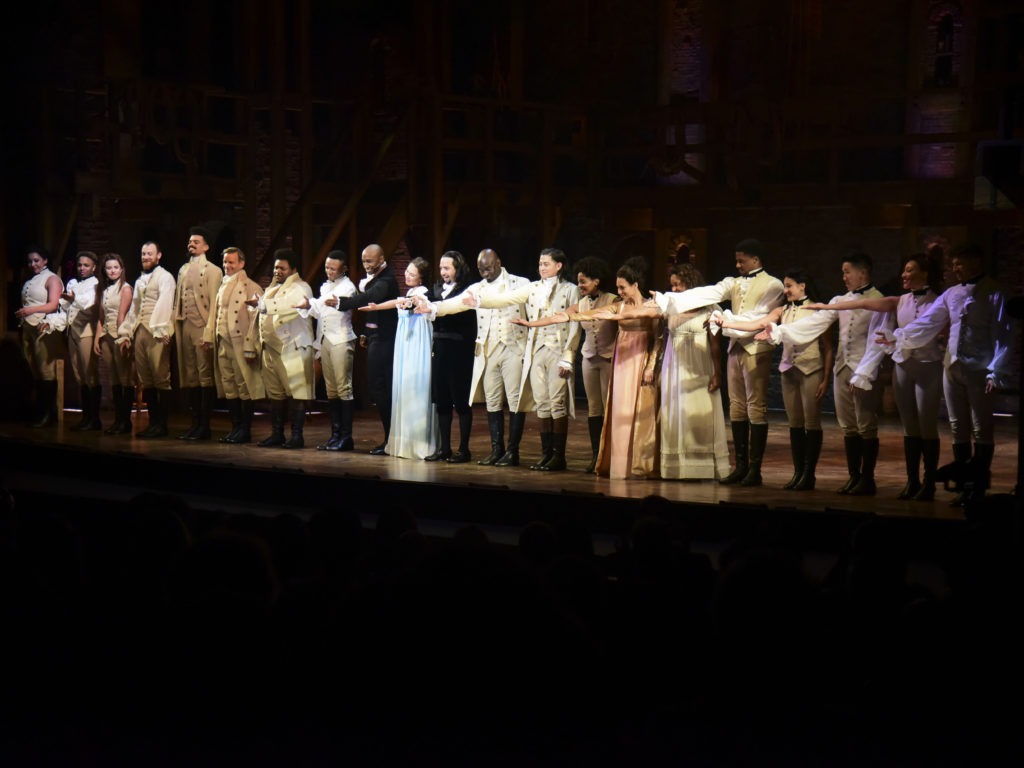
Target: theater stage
<point>269,480</point>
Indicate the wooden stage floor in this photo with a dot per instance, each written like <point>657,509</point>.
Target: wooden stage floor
<point>308,478</point>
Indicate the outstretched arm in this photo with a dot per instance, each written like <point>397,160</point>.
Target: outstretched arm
<point>728,320</point>
<point>552,319</point>
<point>880,304</point>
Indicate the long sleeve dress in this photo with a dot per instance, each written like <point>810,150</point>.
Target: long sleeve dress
<point>693,436</point>
<point>413,416</point>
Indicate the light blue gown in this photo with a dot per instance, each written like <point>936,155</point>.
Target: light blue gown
<point>413,416</point>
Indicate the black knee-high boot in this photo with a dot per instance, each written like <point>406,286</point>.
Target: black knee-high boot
<point>278,410</point>
<point>798,448</point>
<point>741,445</point>
<point>545,450</point>
<point>334,413</point>
<point>854,446</point>
<point>869,458</point>
<point>758,443</point>
<point>157,402</point>
<point>462,455</point>
<point>194,396</point>
<point>235,414</point>
<point>813,452</point>
<point>297,411</point>
<point>912,448</point>
<point>516,427</point>
<point>86,405</point>
<point>244,433</point>
<point>930,456</point>
<point>46,402</point>
<point>345,441</point>
<point>559,437</point>
<point>496,426</point>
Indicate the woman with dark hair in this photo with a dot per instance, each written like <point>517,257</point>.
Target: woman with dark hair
<point>413,432</point>
<point>803,370</point>
<point>115,301</point>
<point>81,310</point>
<point>629,438</point>
<point>594,280</point>
<point>38,318</point>
<point>452,366</point>
<point>917,373</point>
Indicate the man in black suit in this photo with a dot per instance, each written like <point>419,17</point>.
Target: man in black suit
<point>452,361</point>
<point>378,338</point>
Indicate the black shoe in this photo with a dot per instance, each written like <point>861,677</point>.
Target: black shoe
<point>189,433</point>
<point>379,450</point>
<point>344,444</point>
<point>295,441</point>
<point>438,456</point>
<point>460,457</point>
<point>199,434</point>
<point>330,445</point>
<point>510,459</point>
<point>154,430</point>
<point>274,440</point>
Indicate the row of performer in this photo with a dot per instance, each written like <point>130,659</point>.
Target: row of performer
<point>650,360</point>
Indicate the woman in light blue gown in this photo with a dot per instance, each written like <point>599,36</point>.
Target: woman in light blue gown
<point>413,416</point>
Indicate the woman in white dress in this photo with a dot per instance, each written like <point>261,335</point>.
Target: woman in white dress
<point>693,436</point>
<point>414,428</point>
<point>115,301</point>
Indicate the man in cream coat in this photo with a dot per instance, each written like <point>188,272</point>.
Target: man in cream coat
<point>286,339</point>
<point>498,359</point>
<point>198,282</point>
<point>149,329</point>
<point>232,335</point>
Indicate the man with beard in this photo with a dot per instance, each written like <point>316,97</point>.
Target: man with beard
<point>149,329</point>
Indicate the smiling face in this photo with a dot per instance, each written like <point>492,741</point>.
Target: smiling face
<point>36,262</point>
<point>627,291</point>
<point>794,291</point>
<point>588,286</point>
<point>85,267</point>
<point>447,269</point>
<point>914,278</point>
<point>282,270</point>
<point>373,259</point>
<point>232,262</point>
<point>548,267</point>
<point>412,277</point>
<point>677,284</point>
<point>197,245</point>
<point>150,257</point>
